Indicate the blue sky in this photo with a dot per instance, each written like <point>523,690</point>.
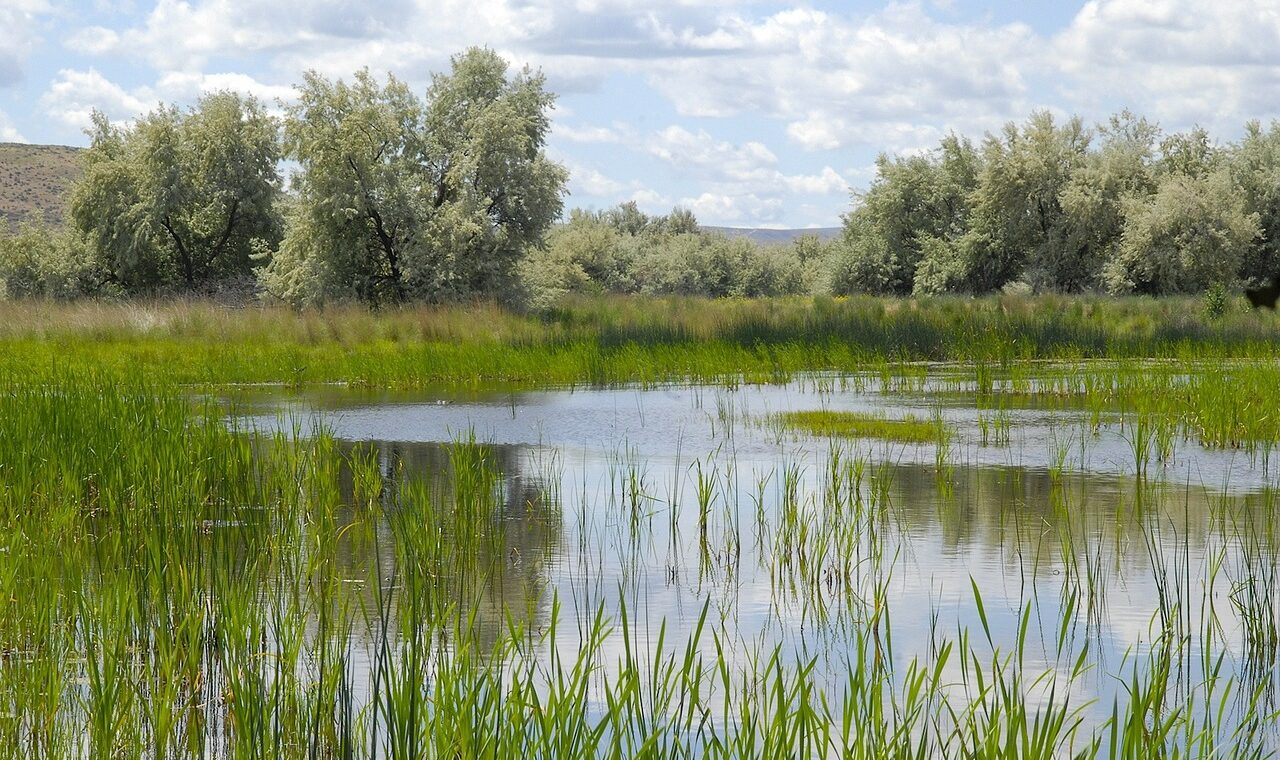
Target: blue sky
<point>750,113</point>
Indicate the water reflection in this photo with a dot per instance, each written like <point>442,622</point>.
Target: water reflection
<point>672,500</point>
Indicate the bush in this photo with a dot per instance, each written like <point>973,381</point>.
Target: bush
<point>1193,233</point>
<point>40,262</point>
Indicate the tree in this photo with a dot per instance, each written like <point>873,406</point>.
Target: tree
<point>37,261</point>
<point>1189,153</point>
<point>912,200</point>
<point>1255,169</point>
<point>1093,202</point>
<point>182,197</point>
<point>1018,219</point>
<point>403,198</point>
<point>355,218</point>
<point>627,219</point>
<point>1191,234</point>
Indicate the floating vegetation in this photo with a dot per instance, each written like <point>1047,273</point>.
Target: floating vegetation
<point>847,424</point>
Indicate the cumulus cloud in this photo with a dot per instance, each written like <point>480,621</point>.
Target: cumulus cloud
<point>586,181</point>
<point>585,134</point>
<point>320,34</point>
<point>832,82</point>
<point>841,81</point>
<point>749,168</point>
<point>74,95</point>
<point>719,209</point>
<point>18,20</point>
<point>186,86</point>
<point>1182,61</point>
<point>8,132</point>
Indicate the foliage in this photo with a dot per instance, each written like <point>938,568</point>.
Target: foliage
<point>40,262</point>
<point>1255,170</point>
<point>181,198</point>
<point>914,200</point>
<point>1192,234</point>
<point>1065,208</point>
<point>624,250</point>
<point>403,198</point>
<point>1018,219</point>
<point>1093,204</point>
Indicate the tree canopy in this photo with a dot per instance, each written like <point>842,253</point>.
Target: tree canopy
<point>181,197</point>
<point>1059,206</point>
<point>400,197</point>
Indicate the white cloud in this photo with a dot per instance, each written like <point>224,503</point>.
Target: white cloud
<point>8,132</point>
<point>332,36</point>
<point>1181,61</point>
<point>699,150</point>
<point>18,21</point>
<point>824,183</point>
<point>93,40</point>
<point>74,95</point>
<point>584,180</point>
<point>718,209</point>
<point>651,200</point>
<point>841,81</point>
<point>188,86</point>
<point>585,134</point>
<point>750,168</point>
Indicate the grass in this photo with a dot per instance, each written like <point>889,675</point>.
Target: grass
<point>845,424</point>
<point>173,584</point>
<point>610,340</point>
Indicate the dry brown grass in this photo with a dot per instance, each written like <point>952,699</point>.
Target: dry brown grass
<point>35,181</point>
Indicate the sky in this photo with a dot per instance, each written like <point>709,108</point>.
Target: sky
<point>751,113</point>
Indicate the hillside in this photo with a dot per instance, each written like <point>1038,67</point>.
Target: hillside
<point>771,236</point>
<point>35,181</point>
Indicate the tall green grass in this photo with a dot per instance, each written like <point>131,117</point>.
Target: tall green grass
<point>174,585</point>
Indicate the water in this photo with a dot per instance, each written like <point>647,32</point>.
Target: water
<point>602,505</point>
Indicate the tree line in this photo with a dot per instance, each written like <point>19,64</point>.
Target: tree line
<point>1119,208</point>
<point>395,197</point>
<point>1043,206</point>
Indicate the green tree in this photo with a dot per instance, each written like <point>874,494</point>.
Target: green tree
<point>627,219</point>
<point>37,261</point>
<point>1093,202</point>
<point>1191,234</point>
<point>403,198</point>
<point>1018,221</point>
<point>1255,168</point>
<point>181,198</point>
<point>1189,153</point>
<point>913,200</point>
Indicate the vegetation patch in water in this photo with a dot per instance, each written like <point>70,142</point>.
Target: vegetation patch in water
<point>844,424</point>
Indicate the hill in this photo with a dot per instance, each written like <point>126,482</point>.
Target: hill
<point>768,236</point>
<point>35,181</point>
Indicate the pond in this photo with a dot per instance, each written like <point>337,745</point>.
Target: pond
<point>1035,530</point>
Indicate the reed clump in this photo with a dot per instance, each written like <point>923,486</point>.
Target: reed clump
<point>847,424</point>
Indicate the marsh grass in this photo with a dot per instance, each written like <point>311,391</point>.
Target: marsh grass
<point>611,339</point>
<point>175,584</point>
<point>846,424</point>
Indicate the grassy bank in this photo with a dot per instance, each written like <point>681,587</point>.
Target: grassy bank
<point>609,340</point>
<point>174,585</point>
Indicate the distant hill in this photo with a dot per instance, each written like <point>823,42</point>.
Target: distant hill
<point>761,235</point>
<point>35,181</point>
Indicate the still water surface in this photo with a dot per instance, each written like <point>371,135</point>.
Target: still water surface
<point>672,498</point>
